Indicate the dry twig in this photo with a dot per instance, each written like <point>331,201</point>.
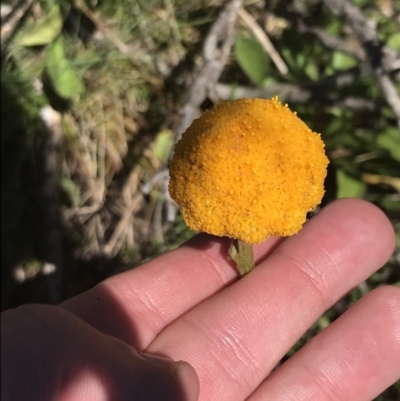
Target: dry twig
<point>135,201</point>
<point>295,94</point>
<point>261,35</point>
<point>109,248</point>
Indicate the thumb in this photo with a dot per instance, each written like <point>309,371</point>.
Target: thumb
<point>48,353</point>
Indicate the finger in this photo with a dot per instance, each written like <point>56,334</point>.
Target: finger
<point>234,339</point>
<point>355,358</point>
<point>155,294</point>
<point>49,354</point>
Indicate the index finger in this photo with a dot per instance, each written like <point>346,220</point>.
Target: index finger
<point>137,305</point>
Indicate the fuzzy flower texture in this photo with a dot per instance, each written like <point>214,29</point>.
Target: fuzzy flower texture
<point>248,169</point>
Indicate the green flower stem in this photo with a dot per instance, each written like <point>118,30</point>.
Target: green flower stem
<point>242,253</point>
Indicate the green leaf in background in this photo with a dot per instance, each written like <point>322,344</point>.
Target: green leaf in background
<point>252,58</point>
<point>72,190</point>
<point>289,57</point>
<point>163,144</point>
<point>360,3</point>
<point>334,27</point>
<point>394,41</point>
<point>311,70</point>
<point>46,30</point>
<point>65,80</point>
<point>390,141</point>
<point>349,187</point>
<point>341,61</point>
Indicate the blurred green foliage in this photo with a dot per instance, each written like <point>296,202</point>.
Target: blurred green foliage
<point>46,30</point>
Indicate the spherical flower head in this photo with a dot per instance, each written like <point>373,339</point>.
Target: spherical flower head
<point>248,169</point>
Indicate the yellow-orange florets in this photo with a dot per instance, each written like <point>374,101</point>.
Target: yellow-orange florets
<point>248,169</point>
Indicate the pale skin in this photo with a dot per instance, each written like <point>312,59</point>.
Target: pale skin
<point>190,305</point>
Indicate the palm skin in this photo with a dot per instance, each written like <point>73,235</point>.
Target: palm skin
<point>189,305</point>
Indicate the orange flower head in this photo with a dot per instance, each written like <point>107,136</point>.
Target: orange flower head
<point>248,169</point>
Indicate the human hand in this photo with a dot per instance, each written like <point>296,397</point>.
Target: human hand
<point>189,305</point>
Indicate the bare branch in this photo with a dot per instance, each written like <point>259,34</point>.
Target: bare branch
<point>296,94</point>
<point>365,30</point>
<point>216,49</point>
<point>322,92</point>
<point>332,42</point>
<point>305,24</point>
